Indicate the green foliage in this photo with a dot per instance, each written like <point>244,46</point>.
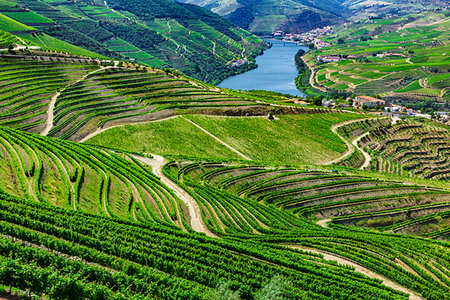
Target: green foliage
<point>276,289</point>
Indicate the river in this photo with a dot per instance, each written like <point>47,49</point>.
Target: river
<point>276,71</point>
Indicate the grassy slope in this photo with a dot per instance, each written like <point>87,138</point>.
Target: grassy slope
<point>201,45</point>
<point>290,140</point>
<point>168,137</point>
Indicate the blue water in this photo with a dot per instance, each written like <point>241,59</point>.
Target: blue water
<point>276,71</point>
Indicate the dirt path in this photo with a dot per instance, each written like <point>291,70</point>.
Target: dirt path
<point>359,269</point>
<point>323,223</point>
<point>367,157</point>
<point>408,60</point>
<point>157,163</point>
<point>351,146</point>
<point>350,149</point>
<point>217,139</point>
<point>311,78</point>
<point>51,106</point>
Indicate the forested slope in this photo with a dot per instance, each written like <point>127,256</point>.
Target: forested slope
<point>188,38</point>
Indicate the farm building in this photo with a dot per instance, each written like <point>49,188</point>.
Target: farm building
<point>371,102</point>
<point>328,58</point>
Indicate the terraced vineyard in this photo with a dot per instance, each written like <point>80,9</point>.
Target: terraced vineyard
<point>403,58</point>
<point>183,37</point>
<point>411,148</point>
<point>84,178</point>
<point>26,89</point>
<point>353,132</point>
<point>102,257</point>
<point>124,95</point>
<point>246,199</point>
<point>108,219</point>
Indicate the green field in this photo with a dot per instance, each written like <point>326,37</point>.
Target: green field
<point>167,137</point>
<point>28,17</point>
<point>285,141</point>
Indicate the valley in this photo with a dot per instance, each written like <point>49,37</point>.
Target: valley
<point>126,173</point>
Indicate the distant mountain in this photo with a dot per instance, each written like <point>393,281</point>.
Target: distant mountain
<point>383,8</point>
<point>264,17</point>
<point>159,33</point>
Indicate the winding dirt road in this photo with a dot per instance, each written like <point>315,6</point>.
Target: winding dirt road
<point>157,163</point>
<point>51,106</point>
<point>367,157</point>
<point>359,269</point>
<point>350,147</point>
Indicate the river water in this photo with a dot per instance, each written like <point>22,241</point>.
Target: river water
<point>276,71</point>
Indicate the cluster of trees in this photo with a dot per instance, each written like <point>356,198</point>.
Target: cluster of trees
<point>142,37</point>
<point>72,36</point>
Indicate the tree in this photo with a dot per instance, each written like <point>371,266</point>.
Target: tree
<point>311,46</point>
<point>224,291</point>
<point>340,41</point>
<point>318,100</point>
<point>276,289</point>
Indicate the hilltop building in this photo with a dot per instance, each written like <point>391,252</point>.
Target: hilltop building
<point>328,58</point>
<point>367,101</point>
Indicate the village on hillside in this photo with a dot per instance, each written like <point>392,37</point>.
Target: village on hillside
<point>312,36</point>
<point>379,106</point>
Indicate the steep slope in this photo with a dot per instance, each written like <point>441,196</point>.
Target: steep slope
<point>156,33</point>
<point>82,221</point>
<point>404,59</point>
<point>265,17</point>
<point>363,8</point>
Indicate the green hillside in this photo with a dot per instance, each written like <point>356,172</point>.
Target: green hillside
<point>405,60</point>
<point>266,16</point>
<point>253,137</point>
<point>185,37</point>
<point>129,180</point>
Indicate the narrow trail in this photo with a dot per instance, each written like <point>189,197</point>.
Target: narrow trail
<point>219,140</point>
<point>323,223</point>
<point>350,148</point>
<point>214,48</point>
<point>367,157</point>
<point>408,60</point>
<point>157,163</point>
<point>359,269</point>
<point>311,78</point>
<point>51,106</point>
<point>168,25</point>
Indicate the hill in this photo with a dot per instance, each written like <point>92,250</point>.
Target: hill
<point>255,196</point>
<point>362,9</point>
<point>265,17</point>
<point>403,59</point>
<point>181,36</point>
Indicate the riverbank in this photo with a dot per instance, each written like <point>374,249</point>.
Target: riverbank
<point>276,71</point>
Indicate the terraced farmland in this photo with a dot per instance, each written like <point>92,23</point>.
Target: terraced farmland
<point>235,199</point>
<point>353,132</point>
<point>183,37</point>
<point>84,178</point>
<point>26,89</point>
<point>245,201</point>
<point>402,60</point>
<point>411,148</point>
<point>120,95</point>
<point>162,262</point>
